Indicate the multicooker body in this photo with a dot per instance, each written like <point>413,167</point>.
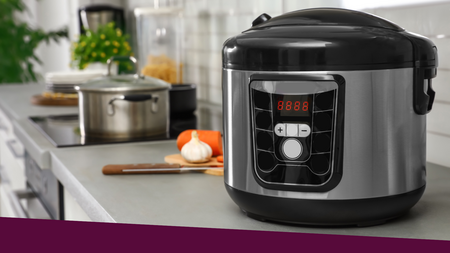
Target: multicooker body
<point>324,117</point>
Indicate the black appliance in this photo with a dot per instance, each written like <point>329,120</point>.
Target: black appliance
<point>91,16</point>
<point>325,117</point>
<point>64,130</point>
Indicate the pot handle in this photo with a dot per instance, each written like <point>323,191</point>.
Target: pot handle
<point>133,98</point>
<point>131,58</point>
<point>423,93</point>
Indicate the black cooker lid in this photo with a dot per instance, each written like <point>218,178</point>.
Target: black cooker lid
<point>326,39</point>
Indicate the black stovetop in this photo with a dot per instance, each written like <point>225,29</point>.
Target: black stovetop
<point>64,130</point>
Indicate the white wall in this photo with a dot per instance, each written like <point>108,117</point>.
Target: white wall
<point>431,20</point>
<point>364,4</point>
<point>208,23</point>
<point>51,16</point>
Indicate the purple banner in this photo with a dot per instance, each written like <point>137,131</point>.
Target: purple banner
<point>19,235</point>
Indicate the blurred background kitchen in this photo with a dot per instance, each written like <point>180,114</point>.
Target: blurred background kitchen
<point>203,25</point>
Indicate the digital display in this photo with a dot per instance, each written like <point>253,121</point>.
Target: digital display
<point>292,105</point>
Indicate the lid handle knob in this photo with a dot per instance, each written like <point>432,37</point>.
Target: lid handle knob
<point>261,19</point>
<point>131,58</point>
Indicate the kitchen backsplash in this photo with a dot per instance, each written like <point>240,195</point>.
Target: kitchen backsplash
<point>430,20</point>
<point>208,23</point>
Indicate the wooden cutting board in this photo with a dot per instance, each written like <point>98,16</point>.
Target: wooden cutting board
<point>178,159</point>
<point>41,100</point>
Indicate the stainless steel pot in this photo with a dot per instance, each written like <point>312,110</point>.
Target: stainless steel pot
<point>124,106</point>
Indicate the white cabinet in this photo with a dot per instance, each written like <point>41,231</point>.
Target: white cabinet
<point>72,210</point>
<point>6,208</point>
<point>13,192</point>
<point>12,169</point>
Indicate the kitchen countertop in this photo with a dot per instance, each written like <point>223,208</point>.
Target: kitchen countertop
<point>199,200</point>
<point>15,102</point>
<point>187,199</point>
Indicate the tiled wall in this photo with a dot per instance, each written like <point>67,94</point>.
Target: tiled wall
<point>432,21</point>
<point>208,23</point>
<point>49,15</point>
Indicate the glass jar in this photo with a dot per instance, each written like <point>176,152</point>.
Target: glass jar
<point>159,32</point>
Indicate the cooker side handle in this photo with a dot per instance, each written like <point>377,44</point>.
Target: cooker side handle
<point>423,91</point>
<point>425,68</point>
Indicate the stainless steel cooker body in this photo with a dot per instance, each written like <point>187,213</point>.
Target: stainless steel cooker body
<point>111,115</point>
<point>325,117</point>
<point>384,140</point>
<point>374,168</point>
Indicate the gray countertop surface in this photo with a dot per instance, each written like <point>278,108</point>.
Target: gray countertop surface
<point>15,102</point>
<point>200,200</point>
<point>187,199</point>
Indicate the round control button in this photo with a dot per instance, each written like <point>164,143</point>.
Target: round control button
<point>292,148</point>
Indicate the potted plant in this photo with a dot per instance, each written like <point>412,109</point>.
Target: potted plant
<point>17,44</point>
<point>98,46</point>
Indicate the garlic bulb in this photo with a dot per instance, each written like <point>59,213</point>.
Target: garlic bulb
<point>196,151</point>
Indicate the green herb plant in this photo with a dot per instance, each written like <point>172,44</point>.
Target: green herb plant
<point>101,45</point>
<point>18,42</point>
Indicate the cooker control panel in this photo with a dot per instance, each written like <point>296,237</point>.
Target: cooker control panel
<point>292,130</point>
<point>293,125</point>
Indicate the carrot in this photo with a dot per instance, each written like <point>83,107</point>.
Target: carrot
<point>220,158</point>
<point>212,138</point>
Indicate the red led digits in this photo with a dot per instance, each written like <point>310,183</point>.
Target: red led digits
<point>280,105</point>
<point>288,105</point>
<point>305,106</point>
<point>297,105</point>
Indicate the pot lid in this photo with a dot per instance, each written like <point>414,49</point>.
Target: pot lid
<point>324,39</point>
<point>123,83</point>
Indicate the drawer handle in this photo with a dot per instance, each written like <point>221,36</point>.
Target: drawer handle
<point>14,198</point>
<point>11,148</point>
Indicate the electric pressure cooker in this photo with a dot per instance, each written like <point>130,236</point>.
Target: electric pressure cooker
<point>325,117</point>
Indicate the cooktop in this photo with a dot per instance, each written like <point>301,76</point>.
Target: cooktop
<point>64,130</point>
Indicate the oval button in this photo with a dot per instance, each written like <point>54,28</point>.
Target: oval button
<point>292,148</point>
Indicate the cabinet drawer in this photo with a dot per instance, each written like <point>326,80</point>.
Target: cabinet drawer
<point>5,124</point>
<point>11,204</point>
<point>12,162</point>
<point>6,209</point>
